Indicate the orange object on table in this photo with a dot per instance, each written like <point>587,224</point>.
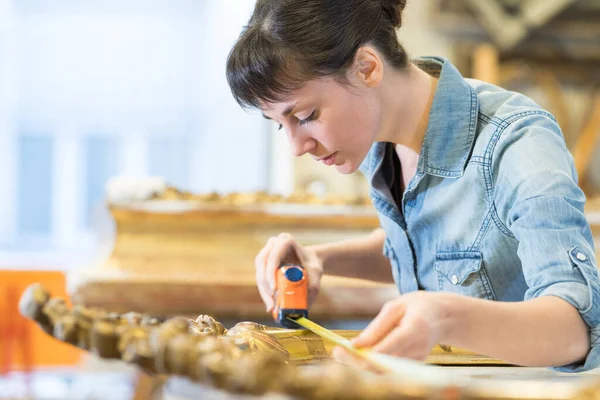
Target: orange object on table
<point>23,345</point>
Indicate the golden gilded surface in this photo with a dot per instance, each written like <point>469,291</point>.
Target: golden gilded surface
<point>261,197</point>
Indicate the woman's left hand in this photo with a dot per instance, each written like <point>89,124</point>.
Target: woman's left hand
<point>409,326</point>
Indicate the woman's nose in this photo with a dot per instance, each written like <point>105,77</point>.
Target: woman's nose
<point>301,144</point>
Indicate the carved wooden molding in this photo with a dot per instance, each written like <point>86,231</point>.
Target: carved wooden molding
<point>254,359</point>
<point>244,359</point>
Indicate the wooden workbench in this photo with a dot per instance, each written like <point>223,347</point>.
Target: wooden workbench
<point>497,383</point>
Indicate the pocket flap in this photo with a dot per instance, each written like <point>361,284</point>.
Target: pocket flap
<point>457,266</point>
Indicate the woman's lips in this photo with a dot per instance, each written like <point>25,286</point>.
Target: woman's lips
<point>329,160</point>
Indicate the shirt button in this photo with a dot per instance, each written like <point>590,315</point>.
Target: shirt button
<point>581,257</point>
<point>454,279</point>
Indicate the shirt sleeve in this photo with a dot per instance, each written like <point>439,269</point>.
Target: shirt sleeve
<point>538,200</point>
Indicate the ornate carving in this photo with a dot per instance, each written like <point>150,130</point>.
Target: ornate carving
<point>206,325</point>
<point>249,358</point>
<point>245,359</point>
<point>257,198</point>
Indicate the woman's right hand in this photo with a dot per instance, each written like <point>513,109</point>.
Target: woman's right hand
<point>285,249</point>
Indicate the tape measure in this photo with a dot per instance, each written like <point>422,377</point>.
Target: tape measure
<point>291,311</point>
<point>291,307</point>
<point>377,361</point>
<point>291,295</point>
<point>409,369</point>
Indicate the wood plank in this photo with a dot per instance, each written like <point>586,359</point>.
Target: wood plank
<point>536,13</point>
<point>486,63</point>
<point>478,383</point>
<point>566,38</point>
<point>505,30</point>
<point>552,89</point>
<point>194,257</point>
<point>233,298</point>
<point>592,210</point>
<point>588,140</point>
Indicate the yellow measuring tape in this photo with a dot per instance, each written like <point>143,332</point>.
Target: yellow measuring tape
<point>363,354</point>
<point>415,371</point>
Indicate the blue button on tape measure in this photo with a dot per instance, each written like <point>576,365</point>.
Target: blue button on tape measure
<point>294,274</point>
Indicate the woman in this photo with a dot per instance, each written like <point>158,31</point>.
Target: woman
<point>481,217</point>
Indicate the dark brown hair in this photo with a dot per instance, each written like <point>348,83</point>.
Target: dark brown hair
<point>290,42</point>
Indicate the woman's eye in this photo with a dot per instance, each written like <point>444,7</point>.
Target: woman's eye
<point>311,117</point>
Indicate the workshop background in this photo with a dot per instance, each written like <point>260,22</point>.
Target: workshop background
<point>92,90</point>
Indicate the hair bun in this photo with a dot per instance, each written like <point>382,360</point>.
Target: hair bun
<point>394,9</point>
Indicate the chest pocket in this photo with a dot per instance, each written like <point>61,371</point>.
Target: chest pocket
<point>463,272</point>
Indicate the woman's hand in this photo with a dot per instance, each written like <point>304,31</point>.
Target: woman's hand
<point>409,326</point>
<point>284,249</point>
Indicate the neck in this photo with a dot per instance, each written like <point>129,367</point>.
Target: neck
<point>407,100</point>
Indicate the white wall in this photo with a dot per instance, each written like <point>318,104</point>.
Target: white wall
<point>112,87</point>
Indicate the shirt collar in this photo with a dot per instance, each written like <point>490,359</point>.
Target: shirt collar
<point>451,128</point>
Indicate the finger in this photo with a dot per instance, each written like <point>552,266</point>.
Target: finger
<point>281,248</point>
<point>313,274</point>
<point>381,326</point>
<point>408,340</point>
<point>312,296</point>
<point>343,356</point>
<point>397,342</point>
<point>314,283</point>
<point>266,297</point>
<point>294,254</point>
<point>338,354</point>
<point>414,353</point>
<point>260,265</point>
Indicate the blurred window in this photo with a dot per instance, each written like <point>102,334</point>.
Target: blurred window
<point>100,166</point>
<point>107,88</point>
<point>34,185</point>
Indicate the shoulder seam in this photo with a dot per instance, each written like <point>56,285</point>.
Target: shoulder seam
<point>501,126</point>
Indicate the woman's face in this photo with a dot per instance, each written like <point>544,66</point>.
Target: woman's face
<point>335,123</point>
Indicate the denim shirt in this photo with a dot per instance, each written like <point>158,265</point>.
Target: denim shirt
<point>494,210</point>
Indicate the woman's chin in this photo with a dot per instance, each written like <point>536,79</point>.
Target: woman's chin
<point>346,168</point>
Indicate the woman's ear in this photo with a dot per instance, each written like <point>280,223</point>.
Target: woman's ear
<point>368,66</point>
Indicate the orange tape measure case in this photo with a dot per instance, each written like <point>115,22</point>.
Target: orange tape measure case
<point>291,294</point>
